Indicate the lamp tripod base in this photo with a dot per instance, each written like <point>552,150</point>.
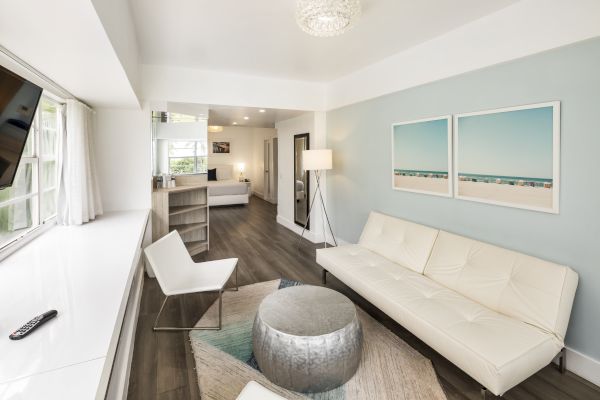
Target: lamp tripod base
<point>312,202</point>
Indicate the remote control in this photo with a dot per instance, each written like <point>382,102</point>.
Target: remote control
<point>33,325</point>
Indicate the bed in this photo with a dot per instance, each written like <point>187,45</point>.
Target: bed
<point>227,190</point>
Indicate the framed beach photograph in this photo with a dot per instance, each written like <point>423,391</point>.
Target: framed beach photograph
<point>422,156</point>
<point>509,156</point>
<point>221,147</point>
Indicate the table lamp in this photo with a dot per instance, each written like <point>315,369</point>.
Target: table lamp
<point>241,167</point>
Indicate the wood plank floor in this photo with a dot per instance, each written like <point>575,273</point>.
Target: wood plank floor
<point>163,365</point>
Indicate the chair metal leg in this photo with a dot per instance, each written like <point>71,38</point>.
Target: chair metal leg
<point>220,308</point>
<point>484,392</point>
<point>324,277</point>
<point>236,282</point>
<point>562,361</point>
<point>194,328</point>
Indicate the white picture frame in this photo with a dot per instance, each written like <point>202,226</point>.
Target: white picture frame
<point>501,195</point>
<point>435,187</point>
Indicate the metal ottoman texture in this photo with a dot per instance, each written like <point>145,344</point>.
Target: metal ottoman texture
<point>307,338</point>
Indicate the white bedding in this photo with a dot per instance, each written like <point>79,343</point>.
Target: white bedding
<point>227,187</point>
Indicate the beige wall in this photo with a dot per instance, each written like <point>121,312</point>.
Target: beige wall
<point>246,147</point>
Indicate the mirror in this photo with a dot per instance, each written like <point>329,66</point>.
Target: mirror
<point>301,181</point>
<point>179,144</point>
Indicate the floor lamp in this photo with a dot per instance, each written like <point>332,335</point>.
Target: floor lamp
<point>318,161</point>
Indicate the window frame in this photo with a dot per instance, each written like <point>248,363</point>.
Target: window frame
<point>195,156</point>
<point>38,225</point>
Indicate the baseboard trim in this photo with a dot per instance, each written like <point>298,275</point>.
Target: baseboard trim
<point>577,363</point>
<point>341,242</point>
<point>314,237</point>
<point>583,366</point>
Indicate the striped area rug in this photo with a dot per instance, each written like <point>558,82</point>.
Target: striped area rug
<point>389,369</point>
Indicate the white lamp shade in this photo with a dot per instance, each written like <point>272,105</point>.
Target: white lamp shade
<point>313,160</point>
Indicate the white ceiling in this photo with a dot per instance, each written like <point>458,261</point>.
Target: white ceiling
<point>260,37</point>
<point>226,116</point>
<point>66,41</point>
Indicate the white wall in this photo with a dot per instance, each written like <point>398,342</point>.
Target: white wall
<point>182,130</point>
<point>246,147</point>
<point>122,148</point>
<point>116,18</point>
<point>524,28</point>
<point>66,41</point>
<point>242,149</point>
<point>190,85</point>
<point>315,124</point>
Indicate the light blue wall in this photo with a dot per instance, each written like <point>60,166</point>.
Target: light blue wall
<point>359,135</point>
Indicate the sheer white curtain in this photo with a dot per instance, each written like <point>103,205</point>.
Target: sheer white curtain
<point>79,196</point>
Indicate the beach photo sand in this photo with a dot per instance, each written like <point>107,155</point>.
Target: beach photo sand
<point>422,184</point>
<point>509,156</point>
<point>421,156</point>
<point>537,197</point>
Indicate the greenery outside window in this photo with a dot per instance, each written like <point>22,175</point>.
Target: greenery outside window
<point>188,157</point>
<point>31,200</point>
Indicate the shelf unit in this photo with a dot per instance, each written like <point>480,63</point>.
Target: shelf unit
<point>185,209</point>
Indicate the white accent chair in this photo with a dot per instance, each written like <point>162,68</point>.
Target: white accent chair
<point>178,274</point>
<point>255,391</point>
<point>497,314</point>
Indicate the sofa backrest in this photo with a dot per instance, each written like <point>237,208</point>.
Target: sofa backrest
<point>532,290</point>
<point>400,241</point>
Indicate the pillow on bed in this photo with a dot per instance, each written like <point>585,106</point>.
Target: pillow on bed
<point>224,173</point>
<point>212,174</point>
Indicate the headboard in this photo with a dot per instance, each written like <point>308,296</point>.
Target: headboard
<point>224,171</point>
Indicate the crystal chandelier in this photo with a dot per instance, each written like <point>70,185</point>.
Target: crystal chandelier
<point>327,17</point>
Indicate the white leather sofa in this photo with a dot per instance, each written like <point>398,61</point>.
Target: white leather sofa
<point>498,315</point>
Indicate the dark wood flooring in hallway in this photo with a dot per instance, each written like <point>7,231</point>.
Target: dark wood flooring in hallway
<point>163,364</point>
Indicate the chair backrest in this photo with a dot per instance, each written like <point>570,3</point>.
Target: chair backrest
<point>529,289</point>
<point>170,262</point>
<point>400,241</point>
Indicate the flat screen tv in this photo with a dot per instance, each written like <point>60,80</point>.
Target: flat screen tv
<point>19,99</point>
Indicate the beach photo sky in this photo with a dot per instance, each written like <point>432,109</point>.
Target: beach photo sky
<point>513,144</point>
<point>421,146</point>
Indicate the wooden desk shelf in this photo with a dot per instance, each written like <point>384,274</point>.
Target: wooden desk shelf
<point>185,209</point>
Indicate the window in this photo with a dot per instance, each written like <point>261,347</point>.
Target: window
<point>31,200</point>
<point>188,157</point>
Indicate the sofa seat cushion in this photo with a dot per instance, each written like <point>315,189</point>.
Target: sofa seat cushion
<point>355,260</point>
<point>495,349</point>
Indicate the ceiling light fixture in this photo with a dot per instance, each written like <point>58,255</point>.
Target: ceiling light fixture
<point>261,111</point>
<point>215,128</point>
<point>235,123</point>
<point>246,118</point>
<point>327,17</point>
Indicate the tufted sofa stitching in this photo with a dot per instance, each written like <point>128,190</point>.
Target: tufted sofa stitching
<point>508,282</point>
<point>535,313</point>
<point>497,368</point>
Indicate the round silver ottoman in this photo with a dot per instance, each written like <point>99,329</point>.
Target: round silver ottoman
<point>307,338</point>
